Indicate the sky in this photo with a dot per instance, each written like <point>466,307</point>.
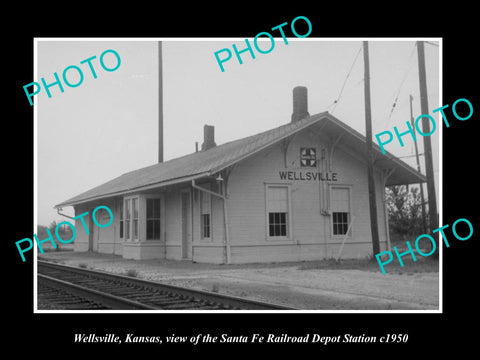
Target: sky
<point>107,126</point>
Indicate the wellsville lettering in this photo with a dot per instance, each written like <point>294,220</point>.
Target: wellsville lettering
<point>307,176</point>
<point>93,338</point>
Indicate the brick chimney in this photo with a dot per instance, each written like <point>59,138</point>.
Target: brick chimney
<point>300,103</point>
<point>208,137</point>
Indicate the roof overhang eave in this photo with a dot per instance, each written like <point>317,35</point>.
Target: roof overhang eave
<point>414,176</point>
<point>134,190</point>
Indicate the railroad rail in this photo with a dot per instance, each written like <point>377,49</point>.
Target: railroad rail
<point>69,296</point>
<point>120,292</point>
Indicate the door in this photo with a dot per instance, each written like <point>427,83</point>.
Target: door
<point>186,225</point>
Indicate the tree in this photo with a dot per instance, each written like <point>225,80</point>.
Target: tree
<point>404,206</point>
<point>63,231</point>
<point>52,226</point>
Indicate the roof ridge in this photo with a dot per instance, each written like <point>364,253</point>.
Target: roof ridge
<point>215,148</point>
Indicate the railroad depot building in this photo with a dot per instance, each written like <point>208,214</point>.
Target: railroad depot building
<point>295,192</point>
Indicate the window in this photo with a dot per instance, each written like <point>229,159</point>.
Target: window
<point>153,219</point>
<point>340,223</point>
<point>127,219</point>
<point>135,218</point>
<point>308,157</point>
<point>277,209</point>
<point>121,220</point>
<point>205,209</point>
<point>277,223</point>
<point>340,204</point>
<point>205,226</point>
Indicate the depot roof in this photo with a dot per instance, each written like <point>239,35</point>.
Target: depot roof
<point>209,162</point>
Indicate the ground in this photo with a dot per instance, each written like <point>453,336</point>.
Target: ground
<point>323,285</point>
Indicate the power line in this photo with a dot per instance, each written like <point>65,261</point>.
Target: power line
<point>345,81</point>
<point>401,84</point>
<point>408,156</point>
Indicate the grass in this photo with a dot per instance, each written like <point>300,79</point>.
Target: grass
<point>131,272</point>
<point>422,265</point>
<point>410,267</point>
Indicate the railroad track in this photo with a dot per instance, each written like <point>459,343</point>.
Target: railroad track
<point>99,289</point>
<point>60,295</point>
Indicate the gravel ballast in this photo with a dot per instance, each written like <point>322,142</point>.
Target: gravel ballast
<point>289,284</point>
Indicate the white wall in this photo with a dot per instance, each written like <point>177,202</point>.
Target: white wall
<point>311,231</point>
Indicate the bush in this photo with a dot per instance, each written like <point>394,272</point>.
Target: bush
<point>131,273</point>
<point>404,206</point>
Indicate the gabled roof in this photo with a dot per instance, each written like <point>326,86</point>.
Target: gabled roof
<point>209,162</point>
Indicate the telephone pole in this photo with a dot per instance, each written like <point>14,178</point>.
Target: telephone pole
<point>432,199</point>
<point>371,180</point>
<point>424,216</point>
<point>160,103</point>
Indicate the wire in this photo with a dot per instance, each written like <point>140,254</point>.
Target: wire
<point>345,92</point>
<point>401,84</point>
<point>408,156</point>
<point>345,81</point>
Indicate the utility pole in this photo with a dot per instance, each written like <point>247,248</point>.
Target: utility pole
<point>424,217</point>
<point>371,180</point>
<point>432,199</point>
<point>160,103</point>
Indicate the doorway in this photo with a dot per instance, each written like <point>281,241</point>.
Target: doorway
<point>186,253</point>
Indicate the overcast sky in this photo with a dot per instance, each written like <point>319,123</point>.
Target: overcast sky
<point>107,126</point>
